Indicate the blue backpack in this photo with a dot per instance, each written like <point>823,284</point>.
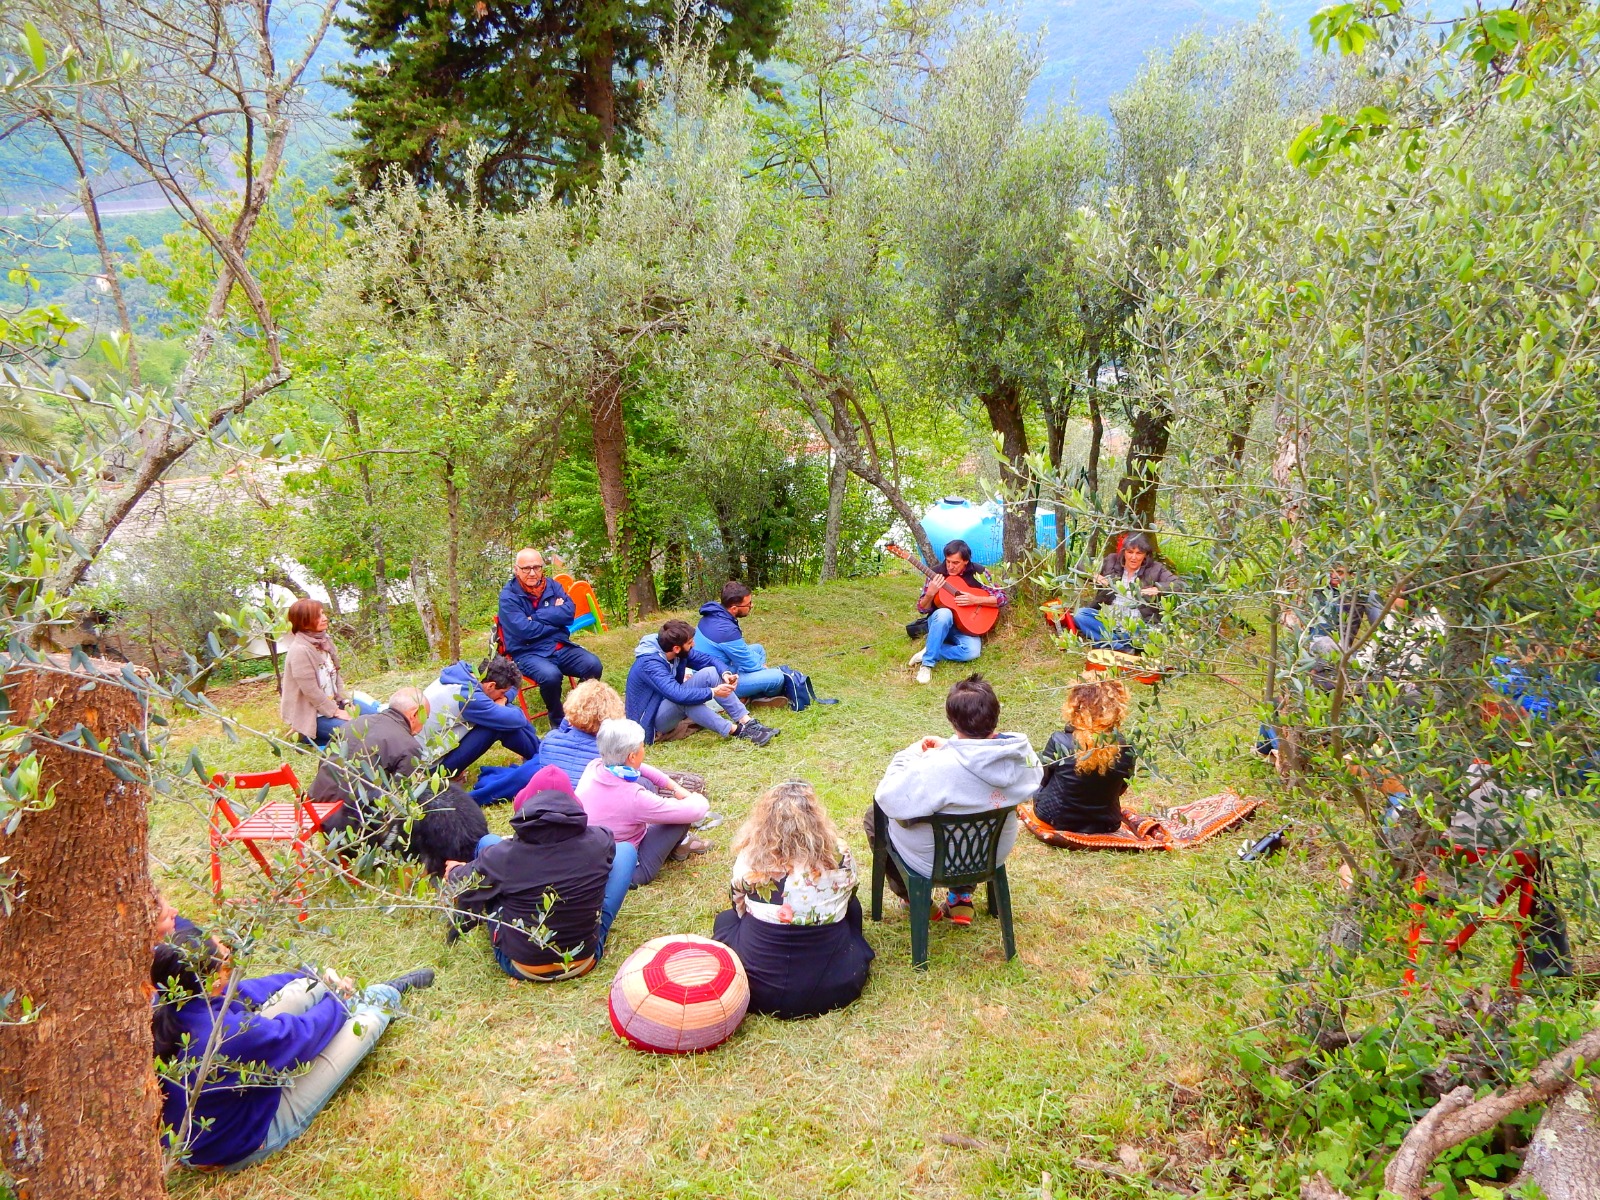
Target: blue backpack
<point>797,690</point>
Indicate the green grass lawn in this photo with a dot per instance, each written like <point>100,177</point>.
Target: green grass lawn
<point>973,1079</point>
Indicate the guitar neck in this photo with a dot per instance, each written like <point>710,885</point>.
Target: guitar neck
<point>927,571</point>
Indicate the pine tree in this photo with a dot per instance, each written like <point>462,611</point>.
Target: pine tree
<point>546,88</point>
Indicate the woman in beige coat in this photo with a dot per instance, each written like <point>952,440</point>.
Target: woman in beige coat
<point>314,701</point>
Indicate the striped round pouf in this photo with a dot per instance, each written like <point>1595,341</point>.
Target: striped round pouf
<point>679,994</point>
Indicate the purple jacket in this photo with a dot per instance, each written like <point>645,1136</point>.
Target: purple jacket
<point>232,1114</point>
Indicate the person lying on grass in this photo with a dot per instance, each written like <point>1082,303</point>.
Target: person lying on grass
<point>975,771</point>
<point>1086,765</point>
<point>550,891</point>
<point>795,921</point>
<point>654,819</point>
<point>248,1105</point>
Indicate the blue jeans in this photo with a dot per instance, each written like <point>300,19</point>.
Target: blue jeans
<point>617,884</point>
<point>477,741</point>
<point>1093,630</point>
<point>304,1096</point>
<point>548,672</point>
<point>758,685</point>
<point>503,783</point>
<point>705,714</point>
<point>945,644</point>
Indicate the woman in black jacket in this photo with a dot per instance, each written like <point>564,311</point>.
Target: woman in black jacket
<point>550,891</point>
<point>1086,766</point>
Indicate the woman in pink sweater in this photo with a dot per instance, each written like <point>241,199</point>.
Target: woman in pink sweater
<point>613,794</point>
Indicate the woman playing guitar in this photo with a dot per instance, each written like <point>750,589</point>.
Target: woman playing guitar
<point>961,607</point>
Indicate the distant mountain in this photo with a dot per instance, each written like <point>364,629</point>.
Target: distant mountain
<point>1093,50</point>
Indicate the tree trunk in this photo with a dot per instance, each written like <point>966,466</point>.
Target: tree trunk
<point>452,561</point>
<point>599,86</point>
<point>79,1103</point>
<point>1056,418</point>
<point>277,670</point>
<point>1004,404</point>
<point>425,610</point>
<point>1563,1157</point>
<point>838,483</point>
<point>1141,475</point>
<point>610,462</point>
<point>1097,433</point>
<point>380,566</point>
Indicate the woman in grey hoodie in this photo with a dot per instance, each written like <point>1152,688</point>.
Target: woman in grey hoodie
<point>977,770</point>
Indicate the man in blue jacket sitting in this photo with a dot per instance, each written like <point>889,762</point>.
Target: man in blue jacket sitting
<point>720,637</point>
<point>481,709</point>
<point>671,680</point>
<point>535,612</point>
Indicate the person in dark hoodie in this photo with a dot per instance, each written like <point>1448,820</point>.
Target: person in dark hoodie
<point>535,613</point>
<point>720,637</point>
<point>480,710</point>
<point>671,680</point>
<point>553,857</point>
<point>248,1105</point>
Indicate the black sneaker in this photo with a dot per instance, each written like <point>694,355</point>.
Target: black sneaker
<point>774,731</point>
<point>420,978</point>
<point>755,731</point>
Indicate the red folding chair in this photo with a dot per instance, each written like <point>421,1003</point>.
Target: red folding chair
<point>528,685</point>
<point>1521,886</point>
<point>295,821</point>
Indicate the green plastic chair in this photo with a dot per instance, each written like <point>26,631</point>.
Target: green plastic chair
<point>966,851</point>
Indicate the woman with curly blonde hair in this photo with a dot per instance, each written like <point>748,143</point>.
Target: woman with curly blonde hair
<point>1086,765</point>
<point>795,920</point>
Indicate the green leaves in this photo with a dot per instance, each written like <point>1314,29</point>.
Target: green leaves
<point>34,44</point>
<point>1315,146</point>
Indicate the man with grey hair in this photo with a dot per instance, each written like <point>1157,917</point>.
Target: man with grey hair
<point>616,794</point>
<point>371,751</point>
<point>379,759</point>
<point>535,617</point>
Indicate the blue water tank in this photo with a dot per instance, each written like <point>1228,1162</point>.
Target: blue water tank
<point>1044,528</point>
<point>978,525</point>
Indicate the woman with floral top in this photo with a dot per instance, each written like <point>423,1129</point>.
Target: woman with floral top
<point>795,920</point>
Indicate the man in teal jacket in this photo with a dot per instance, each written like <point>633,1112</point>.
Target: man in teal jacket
<point>720,637</point>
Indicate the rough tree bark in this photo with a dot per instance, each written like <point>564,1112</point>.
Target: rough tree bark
<point>1565,1162</point>
<point>425,609</point>
<point>79,1103</point>
<point>380,564</point>
<point>838,481</point>
<point>452,561</point>
<point>1141,474</point>
<point>610,460</point>
<point>1003,402</point>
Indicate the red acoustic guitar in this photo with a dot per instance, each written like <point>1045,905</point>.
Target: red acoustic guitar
<point>976,619</point>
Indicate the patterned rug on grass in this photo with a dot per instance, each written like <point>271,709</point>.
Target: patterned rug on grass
<point>1185,826</point>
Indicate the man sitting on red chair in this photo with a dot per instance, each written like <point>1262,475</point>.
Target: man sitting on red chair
<point>535,612</point>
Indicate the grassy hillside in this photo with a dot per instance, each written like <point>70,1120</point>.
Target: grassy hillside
<point>973,1079</point>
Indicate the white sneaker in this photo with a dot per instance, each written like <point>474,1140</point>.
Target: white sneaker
<point>924,675</point>
<point>914,659</point>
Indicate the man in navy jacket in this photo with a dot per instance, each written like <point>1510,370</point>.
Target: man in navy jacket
<point>671,680</point>
<point>535,612</point>
<point>479,713</point>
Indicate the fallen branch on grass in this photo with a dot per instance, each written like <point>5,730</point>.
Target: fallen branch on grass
<point>1563,1158</point>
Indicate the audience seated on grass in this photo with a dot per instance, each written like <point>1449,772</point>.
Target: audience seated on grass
<point>375,773</point>
<point>976,770</point>
<point>1086,766</point>
<point>550,891</point>
<point>535,613</point>
<point>720,637</point>
<point>249,1105</point>
<point>655,820</point>
<point>479,711</point>
<point>670,680</point>
<point>1131,582</point>
<point>795,921</point>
